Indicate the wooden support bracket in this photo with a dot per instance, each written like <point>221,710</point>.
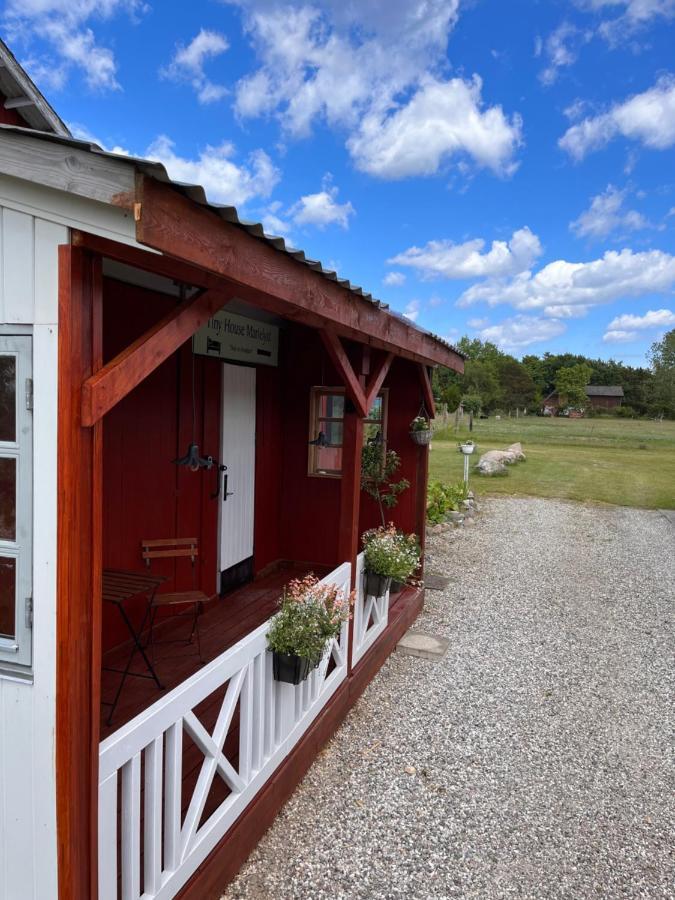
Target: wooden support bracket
<point>362,398</point>
<point>377,380</point>
<point>427,392</point>
<point>340,360</point>
<point>130,367</point>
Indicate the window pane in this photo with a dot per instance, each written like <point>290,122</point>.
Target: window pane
<point>328,460</point>
<point>7,398</point>
<point>7,499</point>
<point>333,432</point>
<point>376,411</point>
<point>331,406</point>
<point>7,596</point>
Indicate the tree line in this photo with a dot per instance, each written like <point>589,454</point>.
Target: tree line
<point>494,380</point>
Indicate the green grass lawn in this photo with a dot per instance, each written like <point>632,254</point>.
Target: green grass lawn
<point>622,461</point>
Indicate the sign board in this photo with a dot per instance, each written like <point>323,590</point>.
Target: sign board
<point>238,339</point>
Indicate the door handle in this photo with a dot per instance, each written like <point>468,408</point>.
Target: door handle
<point>226,493</point>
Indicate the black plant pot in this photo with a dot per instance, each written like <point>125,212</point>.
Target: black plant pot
<point>396,587</point>
<point>290,668</point>
<point>377,585</point>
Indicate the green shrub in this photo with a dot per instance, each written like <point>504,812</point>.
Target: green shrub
<point>442,499</point>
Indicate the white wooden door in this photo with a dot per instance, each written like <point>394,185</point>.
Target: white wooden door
<point>237,452</point>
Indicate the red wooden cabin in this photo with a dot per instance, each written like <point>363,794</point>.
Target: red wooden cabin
<point>147,320</point>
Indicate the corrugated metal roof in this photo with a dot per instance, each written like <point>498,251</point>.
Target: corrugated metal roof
<point>604,390</point>
<point>197,194</point>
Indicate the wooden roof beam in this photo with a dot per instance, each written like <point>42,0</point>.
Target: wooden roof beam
<point>179,227</point>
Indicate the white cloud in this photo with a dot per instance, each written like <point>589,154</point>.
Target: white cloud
<point>648,118</point>
<point>394,279</point>
<point>521,331</point>
<point>477,323</point>
<point>619,337</point>
<point>189,61</point>
<point>446,259</point>
<point>561,286</point>
<point>272,220</point>
<point>412,310</point>
<point>633,16</point>
<point>561,49</point>
<point>63,26</point>
<point>372,68</point>
<point>442,119</point>
<point>223,180</point>
<point>322,209</point>
<point>607,214</point>
<point>654,318</point>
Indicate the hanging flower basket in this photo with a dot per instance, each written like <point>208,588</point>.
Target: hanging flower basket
<point>290,668</point>
<point>422,437</point>
<point>377,585</point>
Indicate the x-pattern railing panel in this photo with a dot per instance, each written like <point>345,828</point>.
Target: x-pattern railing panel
<point>371,616</point>
<point>159,849</point>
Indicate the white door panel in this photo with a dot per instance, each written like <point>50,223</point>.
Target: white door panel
<point>237,452</point>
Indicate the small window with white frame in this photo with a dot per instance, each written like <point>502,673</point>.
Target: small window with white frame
<point>16,463</point>
<point>327,409</point>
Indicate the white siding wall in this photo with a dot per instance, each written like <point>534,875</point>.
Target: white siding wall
<point>28,295</point>
<point>33,222</point>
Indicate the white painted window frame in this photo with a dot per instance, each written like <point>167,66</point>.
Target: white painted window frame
<point>16,654</point>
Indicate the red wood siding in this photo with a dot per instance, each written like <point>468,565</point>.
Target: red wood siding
<point>11,116</point>
<point>405,397</point>
<point>310,506</point>
<point>144,493</point>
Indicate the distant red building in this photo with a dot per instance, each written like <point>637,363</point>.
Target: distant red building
<point>600,396</point>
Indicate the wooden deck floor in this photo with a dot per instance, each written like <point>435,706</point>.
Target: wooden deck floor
<point>225,621</point>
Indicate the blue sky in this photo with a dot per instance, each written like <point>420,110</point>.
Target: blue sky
<point>498,169</point>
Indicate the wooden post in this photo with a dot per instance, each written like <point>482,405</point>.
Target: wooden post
<point>350,489</point>
<point>78,579</point>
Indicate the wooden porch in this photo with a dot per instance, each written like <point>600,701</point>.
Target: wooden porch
<point>225,621</point>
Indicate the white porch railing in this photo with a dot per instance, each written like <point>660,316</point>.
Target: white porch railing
<point>371,616</point>
<point>157,857</point>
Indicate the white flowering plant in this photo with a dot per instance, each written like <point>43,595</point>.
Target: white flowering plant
<point>391,553</point>
<point>310,614</point>
<point>420,423</point>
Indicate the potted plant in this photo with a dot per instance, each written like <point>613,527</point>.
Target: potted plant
<point>378,468</point>
<point>310,614</point>
<point>466,447</point>
<point>389,556</point>
<point>420,430</point>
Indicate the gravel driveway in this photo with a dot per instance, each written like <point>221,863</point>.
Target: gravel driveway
<point>542,744</point>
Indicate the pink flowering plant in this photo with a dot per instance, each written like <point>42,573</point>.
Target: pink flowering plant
<point>390,552</point>
<point>310,614</point>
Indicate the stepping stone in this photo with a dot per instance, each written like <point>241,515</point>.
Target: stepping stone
<point>436,582</point>
<point>668,514</point>
<point>426,646</point>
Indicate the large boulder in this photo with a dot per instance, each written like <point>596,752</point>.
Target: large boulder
<point>488,465</point>
<point>494,462</point>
